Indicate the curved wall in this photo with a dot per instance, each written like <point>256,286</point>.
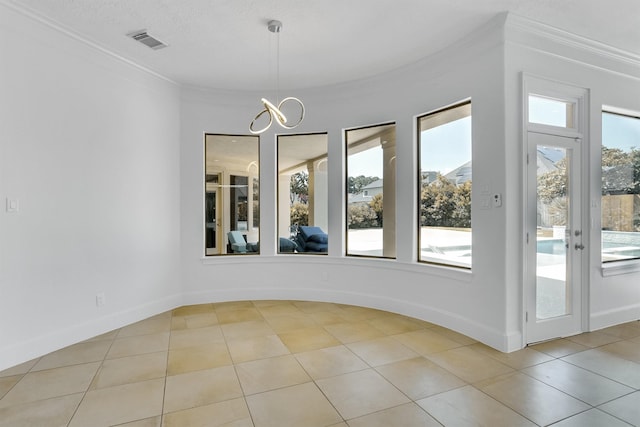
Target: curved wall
<point>472,303</point>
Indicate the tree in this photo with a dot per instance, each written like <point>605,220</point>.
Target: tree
<point>299,187</point>
<point>356,184</point>
<point>299,214</point>
<point>444,204</point>
<point>361,215</point>
<point>376,206</point>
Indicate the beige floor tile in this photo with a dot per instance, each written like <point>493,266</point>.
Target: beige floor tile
<point>353,331</point>
<point>329,362</point>
<point>309,307</point>
<point>232,306</point>
<point>251,329</point>
<point>131,346</point>
<point>74,355</point>
<point>51,383</point>
<point>426,342</point>
<point>469,365</point>
<point>627,408</point>
<point>559,348</point>
<point>131,369</point>
<point>608,365</point>
<point>407,415</point>
<point>591,418</point>
<point>577,382</point>
<point>7,383</point>
<point>467,407</point>
<point>355,313</point>
<point>190,310</point>
<point>361,393</point>
<point>419,377</point>
<point>239,315</point>
<point>308,339</point>
<point>147,422</point>
<point>625,349</point>
<point>231,413</point>
<point>245,350</point>
<point>296,406</point>
<point>396,324</point>
<point>593,339</point>
<point>22,368</point>
<point>625,331</point>
<point>108,336</point>
<point>194,321</point>
<point>453,336</point>
<point>533,399</point>
<point>382,351</point>
<point>55,412</point>
<point>153,325</point>
<point>290,323</point>
<point>195,337</point>
<point>197,358</point>
<point>120,404</point>
<point>517,359</point>
<point>327,317</point>
<point>200,388</point>
<point>268,374</point>
<point>279,309</point>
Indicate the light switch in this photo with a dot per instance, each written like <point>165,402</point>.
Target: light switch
<point>13,205</point>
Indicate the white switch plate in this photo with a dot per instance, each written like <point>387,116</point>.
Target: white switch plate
<point>100,299</point>
<point>13,205</point>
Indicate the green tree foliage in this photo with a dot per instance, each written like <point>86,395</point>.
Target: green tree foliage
<point>356,184</point>
<point>376,205</point>
<point>444,204</point>
<point>299,187</point>
<point>361,215</point>
<point>299,214</point>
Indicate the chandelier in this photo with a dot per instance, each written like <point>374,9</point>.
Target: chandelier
<point>271,110</point>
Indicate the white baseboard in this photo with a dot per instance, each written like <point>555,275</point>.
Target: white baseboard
<point>38,346</point>
<point>614,317</point>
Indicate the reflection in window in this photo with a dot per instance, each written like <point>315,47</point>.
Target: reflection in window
<point>551,112</point>
<point>371,191</point>
<point>620,187</point>
<point>232,187</point>
<point>302,194</point>
<point>445,186</point>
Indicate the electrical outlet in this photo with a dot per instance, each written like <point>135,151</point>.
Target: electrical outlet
<point>100,299</point>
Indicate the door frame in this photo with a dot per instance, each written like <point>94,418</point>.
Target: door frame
<point>579,98</point>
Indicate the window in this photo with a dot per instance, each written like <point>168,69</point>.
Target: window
<point>444,233</point>
<point>303,194</point>
<point>551,112</point>
<point>620,187</point>
<point>371,173</point>
<point>232,185</point>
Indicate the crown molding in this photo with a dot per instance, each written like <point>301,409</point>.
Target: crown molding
<point>516,24</point>
<point>60,28</point>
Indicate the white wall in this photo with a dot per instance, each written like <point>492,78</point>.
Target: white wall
<point>472,303</point>
<point>89,145</point>
<point>611,78</point>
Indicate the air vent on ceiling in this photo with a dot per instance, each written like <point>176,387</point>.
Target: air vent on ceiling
<point>143,37</point>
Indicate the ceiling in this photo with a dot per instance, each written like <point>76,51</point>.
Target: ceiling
<point>225,44</point>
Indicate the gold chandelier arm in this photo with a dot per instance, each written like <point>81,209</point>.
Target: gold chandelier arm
<point>284,124</point>
<point>256,118</point>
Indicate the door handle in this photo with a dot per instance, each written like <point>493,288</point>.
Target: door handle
<point>579,246</point>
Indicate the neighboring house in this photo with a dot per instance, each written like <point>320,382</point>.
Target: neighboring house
<point>367,193</point>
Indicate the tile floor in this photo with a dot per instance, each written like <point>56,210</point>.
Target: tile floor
<point>307,364</point>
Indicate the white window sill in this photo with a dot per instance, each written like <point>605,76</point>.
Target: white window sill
<point>621,267</point>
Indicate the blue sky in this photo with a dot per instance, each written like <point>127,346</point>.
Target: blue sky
<point>620,131</point>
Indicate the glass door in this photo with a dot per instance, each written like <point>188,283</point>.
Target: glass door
<point>554,234</point>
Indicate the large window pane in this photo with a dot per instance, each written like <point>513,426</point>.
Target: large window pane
<point>232,214</point>
<point>371,191</point>
<point>445,186</point>
<point>620,187</point>
<point>303,194</point>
